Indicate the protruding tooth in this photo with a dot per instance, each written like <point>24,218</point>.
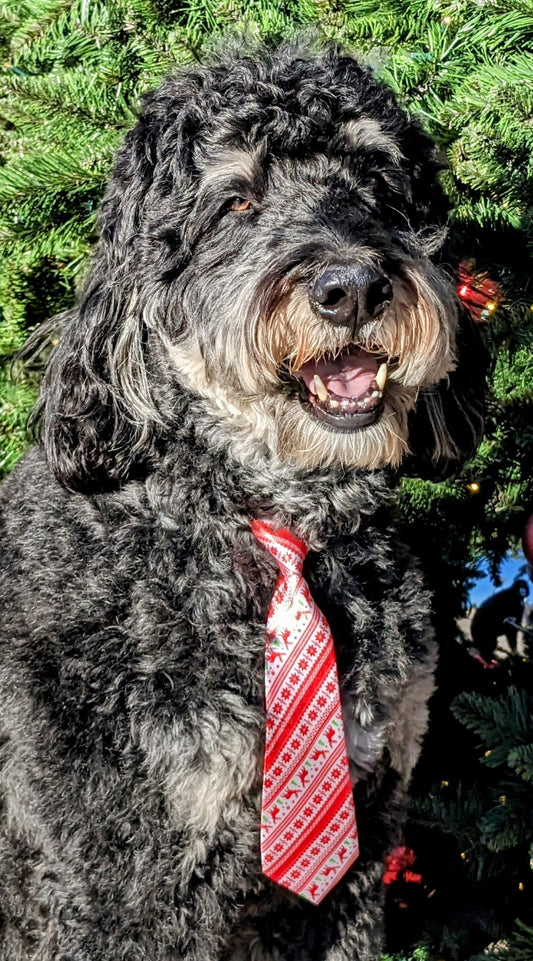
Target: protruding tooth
<point>381,376</point>
<point>320,388</point>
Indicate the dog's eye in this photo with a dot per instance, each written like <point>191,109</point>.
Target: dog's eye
<point>240,204</point>
<point>372,179</point>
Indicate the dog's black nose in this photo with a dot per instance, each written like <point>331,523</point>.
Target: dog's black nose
<point>349,294</point>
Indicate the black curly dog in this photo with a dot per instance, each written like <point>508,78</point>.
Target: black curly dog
<point>266,332</point>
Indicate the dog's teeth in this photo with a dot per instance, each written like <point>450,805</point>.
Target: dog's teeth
<point>377,393</point>
<point>381,376</point>
<point>333,403</point>
<point>320,388</point>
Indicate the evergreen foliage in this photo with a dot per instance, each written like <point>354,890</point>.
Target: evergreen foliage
<point>483,808</point>
<point>72,74</point>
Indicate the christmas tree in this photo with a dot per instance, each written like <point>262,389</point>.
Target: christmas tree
<point>72,74</point>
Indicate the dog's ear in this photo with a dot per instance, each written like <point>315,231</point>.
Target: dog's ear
<point>95,407</point>
<point>447,423</point>
<point>97,414</point>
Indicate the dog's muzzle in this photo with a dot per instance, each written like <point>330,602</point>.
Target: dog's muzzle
<point>345,389</point>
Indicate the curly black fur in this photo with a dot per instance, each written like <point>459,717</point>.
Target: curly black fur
<point>134,595</point>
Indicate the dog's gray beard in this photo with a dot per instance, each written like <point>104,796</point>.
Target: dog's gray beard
<point>308,444</point>
<point>240,381</point>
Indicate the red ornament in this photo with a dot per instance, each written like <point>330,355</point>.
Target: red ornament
<point>527,540</point>
<point>486,665</point>
<point>478,293</point>
<point>397,864</point>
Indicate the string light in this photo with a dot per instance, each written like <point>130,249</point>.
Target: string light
<point>488,753</point>
<point>474,487</point>
<point>502,799</point>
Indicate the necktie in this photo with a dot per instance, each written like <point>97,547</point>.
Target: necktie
<point>308,829</point>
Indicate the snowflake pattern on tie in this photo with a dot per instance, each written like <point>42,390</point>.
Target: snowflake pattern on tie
<point>308,828</point>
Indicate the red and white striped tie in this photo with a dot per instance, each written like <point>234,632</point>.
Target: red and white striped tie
<point>308,829</point>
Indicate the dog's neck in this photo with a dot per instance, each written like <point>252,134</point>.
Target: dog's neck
<point>319,505</point>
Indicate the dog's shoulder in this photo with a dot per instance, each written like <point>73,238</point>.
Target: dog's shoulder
<point>56,576</point>
<point>43,525</point>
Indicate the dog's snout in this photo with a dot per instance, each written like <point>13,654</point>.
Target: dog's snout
<point>350,295</point>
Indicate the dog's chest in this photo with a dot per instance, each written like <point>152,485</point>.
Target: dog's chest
<point>211,760</point>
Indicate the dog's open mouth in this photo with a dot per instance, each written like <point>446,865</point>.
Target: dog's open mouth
<point>345,390</point>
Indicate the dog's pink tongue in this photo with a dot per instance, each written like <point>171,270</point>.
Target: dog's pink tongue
<point>349,375</point>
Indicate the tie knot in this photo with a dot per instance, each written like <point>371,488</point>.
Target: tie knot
<point>287,550</point>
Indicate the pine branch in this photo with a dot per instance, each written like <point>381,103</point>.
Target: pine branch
<point>520,945</point>
<point>520,759</point>
<point>501,723</point>
<point>54,173</point>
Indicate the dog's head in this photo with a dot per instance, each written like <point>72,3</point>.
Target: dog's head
<point>268,247</point>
